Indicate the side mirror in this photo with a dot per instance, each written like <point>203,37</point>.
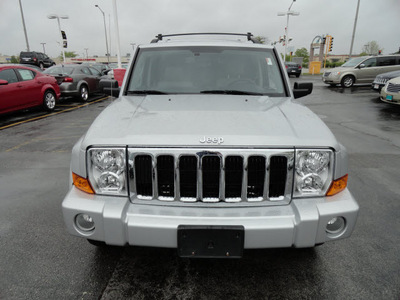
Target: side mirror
<point>362,66</point>
<point>3,82</point>
<point>302,89</point>
<point>109,87</point>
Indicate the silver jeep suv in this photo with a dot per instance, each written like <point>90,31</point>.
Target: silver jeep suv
<point>206,151</point>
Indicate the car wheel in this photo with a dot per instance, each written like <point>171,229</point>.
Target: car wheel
<point>41,66</point>
<point>83,93</point>
<point>298,75</point>
<point>49,101</point>
<point>347,81</point>
<point>97,243</point>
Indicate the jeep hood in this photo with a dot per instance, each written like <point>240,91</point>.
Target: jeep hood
<point>184,120</point>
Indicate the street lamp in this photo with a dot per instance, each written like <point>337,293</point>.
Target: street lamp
<point>87,57</point>
<point>44,49</point>
<point>105,31</point>
<point>54,16</point>
<point>287,14</point>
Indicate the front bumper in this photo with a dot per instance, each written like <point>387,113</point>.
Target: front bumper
<point>392,98</point>
<point>302,223</point>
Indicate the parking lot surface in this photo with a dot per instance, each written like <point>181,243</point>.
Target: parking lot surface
<point>40,260</point>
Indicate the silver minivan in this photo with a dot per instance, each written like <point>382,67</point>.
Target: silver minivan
<point>361,70</point>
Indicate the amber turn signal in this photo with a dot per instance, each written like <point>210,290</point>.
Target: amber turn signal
<point>82,184</point>
<point>338,185</point>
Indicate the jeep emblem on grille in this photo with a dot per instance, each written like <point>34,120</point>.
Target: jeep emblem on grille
<point>211,140</point>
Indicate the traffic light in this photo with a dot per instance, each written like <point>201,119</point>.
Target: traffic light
<point>324,40</point>
<point>330,43</point>
<point>64,36</point>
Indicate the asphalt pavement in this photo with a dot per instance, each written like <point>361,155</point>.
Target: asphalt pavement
<point>40,260</point>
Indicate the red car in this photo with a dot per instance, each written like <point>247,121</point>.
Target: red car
<point>22,87</point>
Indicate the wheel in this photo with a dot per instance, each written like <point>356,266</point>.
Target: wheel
<point>96,243</point>
<point>347,81</point>
<point>41,66</point>
<point>49,100</point>
<point>298,75</point>
<point>83,93</point>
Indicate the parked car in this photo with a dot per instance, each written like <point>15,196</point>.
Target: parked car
<point>102,68</point>
<point>38,59</point>
<point>390,93</point>
<point>23,87</point>
<point>362,69</point>
<point>380,80</point>
<point>293,69</point>
<point>207,151</point>
<point>76,80</point>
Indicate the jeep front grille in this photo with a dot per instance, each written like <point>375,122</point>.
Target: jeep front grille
<point>217,175</point>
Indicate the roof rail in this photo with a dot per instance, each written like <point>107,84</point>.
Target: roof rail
<point>159,37</point>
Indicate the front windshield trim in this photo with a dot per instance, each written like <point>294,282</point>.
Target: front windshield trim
<point>201,62</point>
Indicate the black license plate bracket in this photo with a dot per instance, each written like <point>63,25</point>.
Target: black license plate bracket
<point>210,241</point>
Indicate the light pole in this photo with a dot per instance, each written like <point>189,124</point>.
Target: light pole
<point>105,31</point>
<point>117,33</point>
<point>287,14</point>
<point>44,50</point>
<point>87,57</point>
<point>23,24</point>
<point>54,16</point>
<point>354,29</point>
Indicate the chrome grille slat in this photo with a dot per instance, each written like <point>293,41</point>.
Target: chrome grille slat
<point>216,175</point>
<point>393,88</point>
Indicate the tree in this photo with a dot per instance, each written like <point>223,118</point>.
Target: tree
<point>71,54</point>
<point>302,52</point>
<point>261,39</point>
<point>372,48</point>
<point>14,60</point>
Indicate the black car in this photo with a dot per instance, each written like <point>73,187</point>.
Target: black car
<point>293,68</point>
<point>380,80</point>
<point>36,58</point>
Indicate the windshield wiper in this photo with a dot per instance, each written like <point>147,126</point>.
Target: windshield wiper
<point>146,92</point>
<point>230,92</point>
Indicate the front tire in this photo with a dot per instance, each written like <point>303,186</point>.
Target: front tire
<point>83,93</point>
<point>96,243</point>
<point>49,101</point>
<point>347,81</point>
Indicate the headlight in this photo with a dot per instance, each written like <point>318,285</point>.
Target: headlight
<point>107,171</point>
<point>313,174</point>
<point>335,73</point>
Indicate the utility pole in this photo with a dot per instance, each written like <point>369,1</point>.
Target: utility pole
<point>23,24</point>
<point>354,29</point>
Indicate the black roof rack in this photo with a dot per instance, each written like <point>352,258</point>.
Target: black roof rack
<point>249,36</point>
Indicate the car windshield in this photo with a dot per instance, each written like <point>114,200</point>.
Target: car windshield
<point>353,62</point>
<point>59,70</point>
<point>194,70</point>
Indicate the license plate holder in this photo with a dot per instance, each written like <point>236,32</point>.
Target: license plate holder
<point>389,97</point>
<point>210,241</point>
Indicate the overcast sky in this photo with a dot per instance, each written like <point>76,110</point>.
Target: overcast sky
<point>140,20</point>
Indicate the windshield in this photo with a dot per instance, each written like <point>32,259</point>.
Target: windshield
<point>193,70</point>
<point>59,70</point>
<point>353,62</point>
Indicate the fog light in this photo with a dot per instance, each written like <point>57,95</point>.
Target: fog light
<point>84,222</point>
<point>335,226</point>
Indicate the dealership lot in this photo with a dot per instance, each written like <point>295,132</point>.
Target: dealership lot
<point>41,261</point>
